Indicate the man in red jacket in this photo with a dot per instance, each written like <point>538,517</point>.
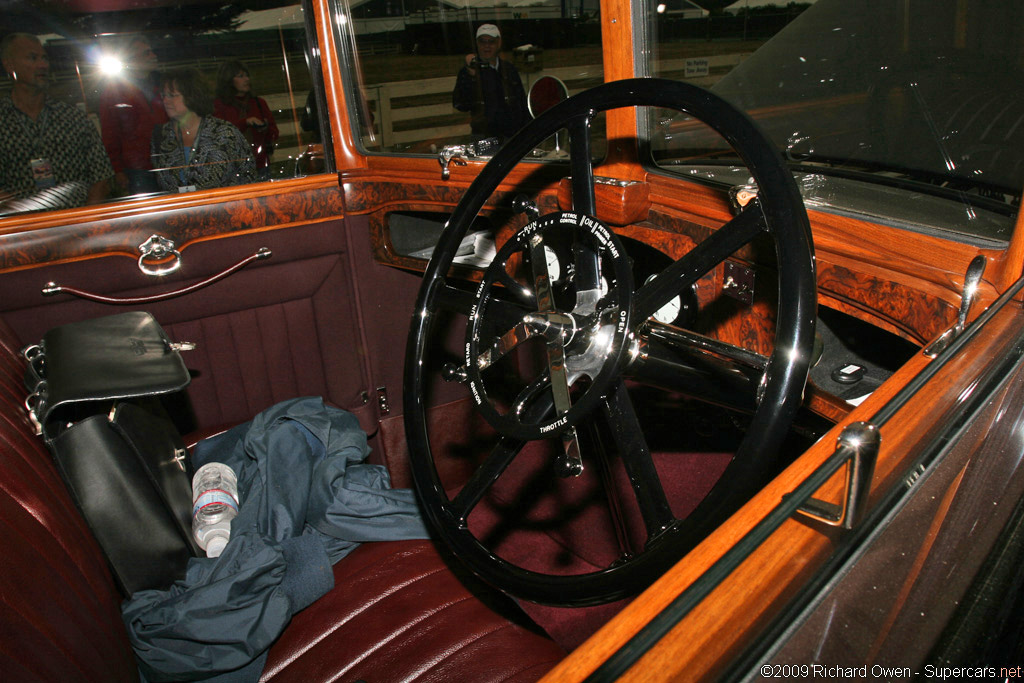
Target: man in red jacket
<point>130,107</point>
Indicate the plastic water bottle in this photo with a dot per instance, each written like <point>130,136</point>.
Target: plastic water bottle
<point>214,505</point>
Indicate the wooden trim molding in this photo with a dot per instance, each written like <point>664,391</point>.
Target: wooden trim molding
<point>222,212</point>
<point>863,270</point>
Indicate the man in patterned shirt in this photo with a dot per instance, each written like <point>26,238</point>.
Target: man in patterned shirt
<point>44,143</point>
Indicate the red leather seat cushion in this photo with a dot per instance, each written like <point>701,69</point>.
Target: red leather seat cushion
<point>59,608</point>
<point>397,613</point>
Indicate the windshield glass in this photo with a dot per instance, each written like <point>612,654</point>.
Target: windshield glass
<point>921,95</point>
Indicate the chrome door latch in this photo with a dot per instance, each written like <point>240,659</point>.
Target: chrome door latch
<point>458,154</point>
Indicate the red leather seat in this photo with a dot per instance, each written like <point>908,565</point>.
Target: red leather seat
<point>399,614</point>
<point>59,607</point>
<point>396,613</point>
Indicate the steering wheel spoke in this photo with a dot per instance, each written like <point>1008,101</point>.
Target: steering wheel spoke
<point>504,314</point>
<point>518,290</point>
<point>737,356</point>
<point>483,478</point>
<point>580,155</point>
<point>738,232</point>
<point>533,403</point>
<point>636,458</point>
<point>588,274</point>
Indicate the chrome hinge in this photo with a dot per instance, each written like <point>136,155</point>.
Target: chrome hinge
<point>738,282</point>
<point>382,400</point>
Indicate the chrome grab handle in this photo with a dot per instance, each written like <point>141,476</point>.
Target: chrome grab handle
<point>972,280</point>
<point>52,288</point>
<point>860,441</point>
<point>159,248</point>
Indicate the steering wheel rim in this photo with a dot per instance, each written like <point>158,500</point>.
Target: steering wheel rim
<point>779,212</point>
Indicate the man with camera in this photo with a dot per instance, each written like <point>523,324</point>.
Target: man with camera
<point>490,89</point>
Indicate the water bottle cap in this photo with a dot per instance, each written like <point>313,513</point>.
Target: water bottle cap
<point>215,545</point>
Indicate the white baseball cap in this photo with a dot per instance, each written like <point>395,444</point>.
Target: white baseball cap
<point>488,30</point>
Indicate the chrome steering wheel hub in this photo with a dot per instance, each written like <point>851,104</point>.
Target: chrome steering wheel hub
<point>582,325</point>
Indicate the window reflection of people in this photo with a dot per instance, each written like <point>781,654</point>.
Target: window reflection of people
<point>195,150</point>
<point>130,106</point>
<point>237,103</point>
<point>45,143</point>
<point>490,89</point>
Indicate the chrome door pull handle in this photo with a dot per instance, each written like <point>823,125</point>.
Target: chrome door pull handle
<point>158,248</point>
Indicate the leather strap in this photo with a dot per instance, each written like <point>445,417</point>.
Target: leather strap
<point>53,288</point>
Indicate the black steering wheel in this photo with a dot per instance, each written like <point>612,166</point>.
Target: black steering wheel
<point>592,330</point>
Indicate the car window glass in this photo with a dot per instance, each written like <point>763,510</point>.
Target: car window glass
<point>866,101</point>
<point>86,117</point>
<point>702,43</point>
<point>436,74</point>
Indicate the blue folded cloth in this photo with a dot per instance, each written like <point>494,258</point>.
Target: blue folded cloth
<point>307,498</point>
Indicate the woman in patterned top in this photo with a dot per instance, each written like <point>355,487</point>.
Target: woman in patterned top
<point>236,103</point>
<point>195,150</point>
